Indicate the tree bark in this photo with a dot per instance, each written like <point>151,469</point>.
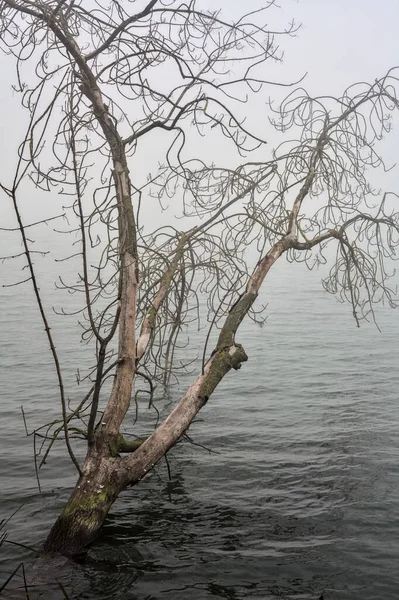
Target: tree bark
<point>84,514</point>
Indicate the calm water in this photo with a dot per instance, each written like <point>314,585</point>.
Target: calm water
<point>299,497</point>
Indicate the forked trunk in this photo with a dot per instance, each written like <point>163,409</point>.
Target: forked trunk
<point>105,474</point>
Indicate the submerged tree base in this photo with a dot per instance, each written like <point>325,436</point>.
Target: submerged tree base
<point>83,516</point>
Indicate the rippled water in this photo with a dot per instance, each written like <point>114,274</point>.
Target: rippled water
<point>299,497</point>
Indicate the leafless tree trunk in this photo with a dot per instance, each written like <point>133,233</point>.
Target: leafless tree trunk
<point>308,192</point>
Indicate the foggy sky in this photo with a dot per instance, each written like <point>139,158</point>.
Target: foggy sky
<point>340,42</point>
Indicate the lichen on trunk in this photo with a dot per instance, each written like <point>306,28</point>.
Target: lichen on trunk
<point>83,516</point>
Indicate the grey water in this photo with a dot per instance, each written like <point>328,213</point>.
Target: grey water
<point>298,498</point>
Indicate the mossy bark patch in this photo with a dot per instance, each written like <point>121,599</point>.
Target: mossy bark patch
<point>222,361</point>
<point>234,319</point>
<point>83,516</point>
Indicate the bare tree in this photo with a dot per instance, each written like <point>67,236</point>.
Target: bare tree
<point>105,80</point>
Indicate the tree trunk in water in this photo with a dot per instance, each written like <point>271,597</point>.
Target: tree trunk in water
<point>84,514</point>
<point>105,474</point>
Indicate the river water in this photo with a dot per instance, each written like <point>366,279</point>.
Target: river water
<point>298,499</point>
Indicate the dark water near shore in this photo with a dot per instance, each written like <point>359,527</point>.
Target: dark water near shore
<point>299,498</point>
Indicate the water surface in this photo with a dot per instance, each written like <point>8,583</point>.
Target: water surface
<point>298,498</point>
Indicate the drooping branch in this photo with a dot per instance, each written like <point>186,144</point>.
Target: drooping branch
<point>149,321</point>
<point>46,328</point>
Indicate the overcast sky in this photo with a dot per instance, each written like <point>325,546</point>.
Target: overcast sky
<point>340,42</point>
